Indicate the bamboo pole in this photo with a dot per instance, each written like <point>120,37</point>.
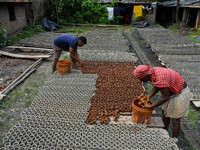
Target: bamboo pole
<point>30,48</point>
<point>23,56</point>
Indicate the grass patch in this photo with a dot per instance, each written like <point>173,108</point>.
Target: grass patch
<point>9,101</point>
<point>28,103</point>
<point>148,87</point>
<point>174,27</point>
<point>73,29</point>
<point>194,35</point>
<point>157,26</point>
<point>1,143</point>
<point>28,31</point>
<point>191,147</point>
<point>194,118</point>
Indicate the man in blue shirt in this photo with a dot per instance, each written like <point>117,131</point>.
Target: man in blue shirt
<point>68,43</point>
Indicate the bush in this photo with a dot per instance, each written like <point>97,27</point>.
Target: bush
<point>78,11</point>
<point>29,31</point>
<point>140,18</point>
<point>3,36</point>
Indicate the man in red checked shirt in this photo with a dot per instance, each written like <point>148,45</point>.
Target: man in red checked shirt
<point>175,93</point>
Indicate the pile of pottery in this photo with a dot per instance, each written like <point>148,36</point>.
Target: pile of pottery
<point>116,88</point>
<point>143,99</point>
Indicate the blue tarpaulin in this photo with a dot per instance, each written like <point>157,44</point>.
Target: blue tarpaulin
<point>198,38</point>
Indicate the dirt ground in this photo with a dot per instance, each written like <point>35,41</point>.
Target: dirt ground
<point>21,97</point>
<point>11,68</point>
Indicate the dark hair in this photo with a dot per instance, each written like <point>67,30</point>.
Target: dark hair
<point>83,39</point>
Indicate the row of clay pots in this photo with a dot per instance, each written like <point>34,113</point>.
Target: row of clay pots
<point>116,88</point>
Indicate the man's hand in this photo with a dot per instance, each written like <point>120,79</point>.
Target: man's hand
<point>81,64</point>
<point>147,106</point>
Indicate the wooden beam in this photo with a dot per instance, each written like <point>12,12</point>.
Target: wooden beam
<point>23,56</point>
<point>30,48</point>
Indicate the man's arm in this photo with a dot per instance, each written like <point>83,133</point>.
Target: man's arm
<point>165,97</point>
<point>81,64</point>
<point>73,55</point>
<point>153,92</point>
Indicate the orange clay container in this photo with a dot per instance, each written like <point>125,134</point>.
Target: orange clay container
<point>63,67</point>
<point>139,114</point>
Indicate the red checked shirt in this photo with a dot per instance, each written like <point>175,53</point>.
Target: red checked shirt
<point>164,77</point>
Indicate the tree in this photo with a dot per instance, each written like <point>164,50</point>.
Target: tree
<point>59,4</point>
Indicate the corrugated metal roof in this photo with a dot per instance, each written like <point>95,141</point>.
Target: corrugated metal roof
<point>190,2</point>
<point>193,5</point>
<point>15,1</point>
<point>183,3</point>
<point>128,1</point>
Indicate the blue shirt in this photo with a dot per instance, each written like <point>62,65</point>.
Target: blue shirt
<point>65,41</point>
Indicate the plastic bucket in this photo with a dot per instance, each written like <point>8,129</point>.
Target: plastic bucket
<point>139,114</point>
<point>63,67</point>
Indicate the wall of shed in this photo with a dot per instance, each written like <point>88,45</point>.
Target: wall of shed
<point>19,23</point>
<point>151,17</point>
<point>39,10</point>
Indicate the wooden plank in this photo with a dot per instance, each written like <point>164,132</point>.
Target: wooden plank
<point>2,96</point>
<point>30,48</point>
<point>24,56</point>
<point>196,103</point>
<point>194,99</point>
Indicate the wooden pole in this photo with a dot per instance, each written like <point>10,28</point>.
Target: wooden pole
<point>30,48</point>
<point>19,79</point>
<point>185,16</point>
<point>23,74</point>
<point>177,10</point>
<point>197,20</point>
<point>23,56</point>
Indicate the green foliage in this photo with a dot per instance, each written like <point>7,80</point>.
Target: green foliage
<point>28,103</point>
<point>191,146</point>
<point>66,56</point>
<point>3,36</point>
<point>93,11</point>
<point>29,31</point>
<point>194,118</point>
<point>174,27</point>
<point>65,11</point>
<point>78,11</point>
<point>194,35</point>
<point>58,4</point>
<point>140,18</point>
<point>76,30</point>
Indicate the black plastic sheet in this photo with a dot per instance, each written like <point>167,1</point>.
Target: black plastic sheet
<point>49,25</point>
